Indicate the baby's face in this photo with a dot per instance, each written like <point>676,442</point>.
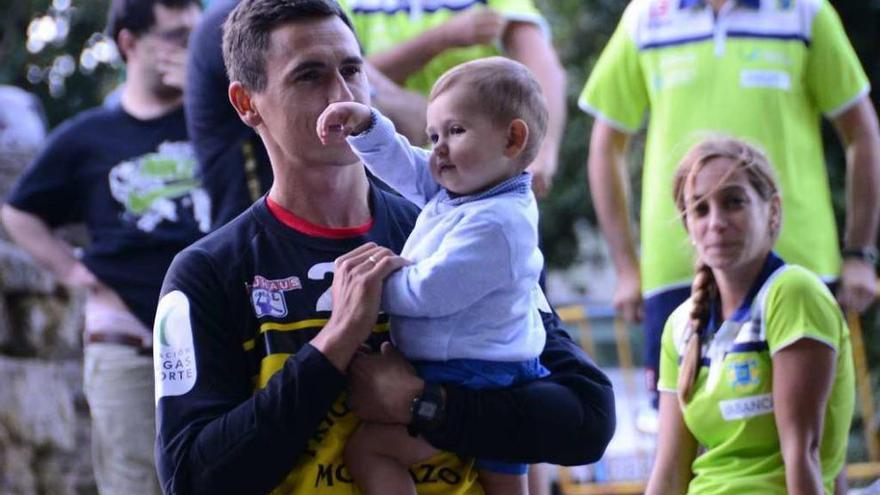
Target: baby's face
<point>468,154</point>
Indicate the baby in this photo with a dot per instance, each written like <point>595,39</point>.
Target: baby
<point>466,310</point>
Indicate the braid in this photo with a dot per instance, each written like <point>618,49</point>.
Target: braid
<point>702,290</point>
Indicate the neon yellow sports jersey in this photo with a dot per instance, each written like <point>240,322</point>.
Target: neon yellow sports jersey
<point>731,412</point>
<point>382,24</point>
<point>764,70</point>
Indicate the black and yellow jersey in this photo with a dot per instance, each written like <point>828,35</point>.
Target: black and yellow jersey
<point>246,405</point>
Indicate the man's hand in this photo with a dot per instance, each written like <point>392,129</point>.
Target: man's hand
<point>542,181</point>
<point>543,170</point>
<point>171,63</point>
<point>357,290</point>
<point>628,297</point>
<point>382,386</point>
<point>475,26</point>
<point>858,285</point>
<point>340,120</point>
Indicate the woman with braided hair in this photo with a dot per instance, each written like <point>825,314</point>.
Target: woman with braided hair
<point>756,373</point>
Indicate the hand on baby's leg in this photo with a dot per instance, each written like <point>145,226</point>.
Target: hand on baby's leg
<point>342,119</point>
<point>378,457</point>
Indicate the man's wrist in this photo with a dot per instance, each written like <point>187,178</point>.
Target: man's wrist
<point>428,409</point>
<point>337,349</point>
<point>443,38</point>
<point>868,254</point>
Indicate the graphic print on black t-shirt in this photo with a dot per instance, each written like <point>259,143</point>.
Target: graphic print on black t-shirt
<point>133,183</point>
<point>155,187</point>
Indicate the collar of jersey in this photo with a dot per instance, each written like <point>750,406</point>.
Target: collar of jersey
<point>518,184</point>
<point>743,312</point>
<point>303,226</point>
<point>688,4</point>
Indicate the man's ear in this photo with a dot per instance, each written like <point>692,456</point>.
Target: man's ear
<point>517,137</point>
<point>125,42</point>
<point>243,104</point>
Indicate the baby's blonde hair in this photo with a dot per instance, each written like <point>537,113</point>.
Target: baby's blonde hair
<point>505,90</point>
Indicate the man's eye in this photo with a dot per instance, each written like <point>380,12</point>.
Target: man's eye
<point>308,76</point>
<point>350,71</point>
<point>456,129</point>
<point>433,138</point>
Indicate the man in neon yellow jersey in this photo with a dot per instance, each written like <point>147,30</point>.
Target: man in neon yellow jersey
<point>414,41</point>
<point>762,70</point>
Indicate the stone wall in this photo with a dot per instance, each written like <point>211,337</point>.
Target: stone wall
<point>44,419</point>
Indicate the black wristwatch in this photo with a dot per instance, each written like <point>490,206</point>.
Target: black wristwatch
<point>428,410</point>
<point>867,254</point>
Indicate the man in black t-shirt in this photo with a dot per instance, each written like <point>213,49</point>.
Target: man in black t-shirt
<point>127,171</point>
<point>259,321</point>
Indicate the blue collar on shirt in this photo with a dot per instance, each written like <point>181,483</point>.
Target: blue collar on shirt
<point>743,312</point>
<point>687,4</point>
<point>518,184</point>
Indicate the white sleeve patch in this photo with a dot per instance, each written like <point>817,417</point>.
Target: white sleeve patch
<point>174,356</point>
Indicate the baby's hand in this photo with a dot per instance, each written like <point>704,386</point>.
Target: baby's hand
<point>340,120</point>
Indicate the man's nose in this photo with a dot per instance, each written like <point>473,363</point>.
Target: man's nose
<point>339,90</point>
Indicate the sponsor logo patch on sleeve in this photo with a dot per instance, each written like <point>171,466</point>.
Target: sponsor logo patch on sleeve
<point>174,357</point>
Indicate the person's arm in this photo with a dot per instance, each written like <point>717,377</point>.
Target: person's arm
<point>215,434</point>
<point>803,373</point>
<point>405,108</point>
<point>676,451</point>
<point>474,26</point>
<point>807,340</point>
<point>566,418</point>
<point>54,254</point>
<point>606,167</point>
<point>858,130</point>
<point>527,44</point>
<point>478,256</point>
<point>387,154</point>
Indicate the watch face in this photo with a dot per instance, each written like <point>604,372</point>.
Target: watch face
<point>427,409</point>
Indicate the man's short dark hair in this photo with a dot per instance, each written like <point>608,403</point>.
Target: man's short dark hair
<point>247,29</point>
<point>137,15</point>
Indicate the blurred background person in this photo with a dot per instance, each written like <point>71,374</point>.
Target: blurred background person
<point>414,42</point>
<point>765,70</point>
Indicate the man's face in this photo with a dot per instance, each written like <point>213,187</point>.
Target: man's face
<point>309,64</point>
<point>161,50</point>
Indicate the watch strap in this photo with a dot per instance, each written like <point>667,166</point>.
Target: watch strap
<point>427,409</point>
<point>868,254</point>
